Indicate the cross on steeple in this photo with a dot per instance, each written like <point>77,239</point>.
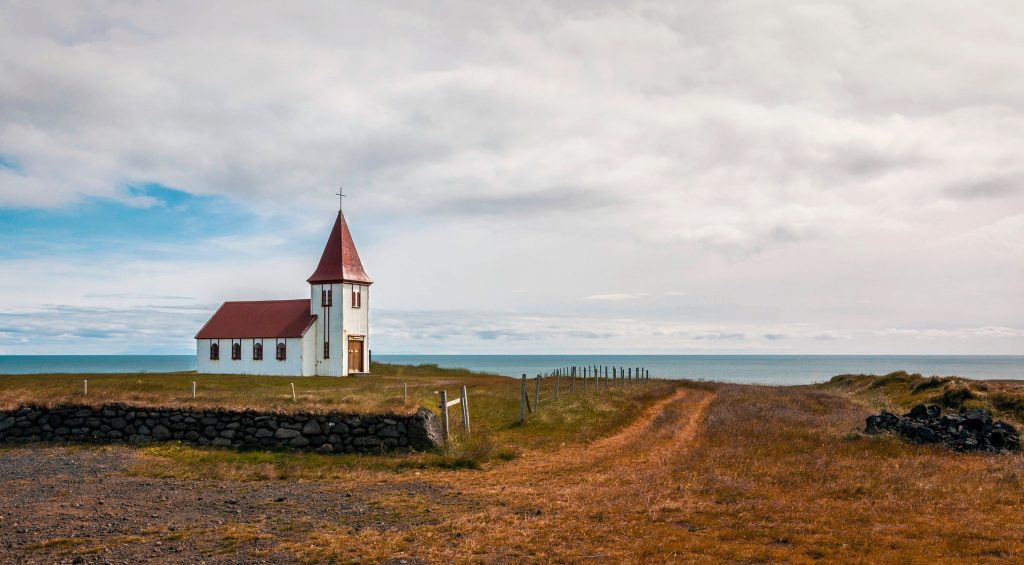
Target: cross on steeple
<point>341,195</point>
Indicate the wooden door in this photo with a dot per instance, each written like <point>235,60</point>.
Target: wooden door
<point>355,356</point>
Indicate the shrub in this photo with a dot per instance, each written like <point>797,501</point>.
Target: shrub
<point>954,396</point>
<point>928,384</point>
<point>897,377</point>
<point>1010,403</point>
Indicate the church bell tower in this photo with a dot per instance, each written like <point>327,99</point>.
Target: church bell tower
<point>340,299</point>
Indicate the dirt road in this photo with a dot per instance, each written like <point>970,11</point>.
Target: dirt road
<point>581,502</point>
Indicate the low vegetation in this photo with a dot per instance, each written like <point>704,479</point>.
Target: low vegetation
<point>666,472</point>
<point>900,391</point>
<point>494,406</point>
<point>380,392</point>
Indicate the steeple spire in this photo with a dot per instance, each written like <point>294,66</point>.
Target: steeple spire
<point>340,260</point>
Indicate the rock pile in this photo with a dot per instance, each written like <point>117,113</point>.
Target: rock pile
<point>324,433</point>
<point>970,431</point>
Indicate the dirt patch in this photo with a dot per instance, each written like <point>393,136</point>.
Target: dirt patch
<point>64,504</point>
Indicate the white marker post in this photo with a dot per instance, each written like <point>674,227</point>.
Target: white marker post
<point>193,390</point>
<point>85,387</point>
<point>464,398</point>
<point>293,393</point>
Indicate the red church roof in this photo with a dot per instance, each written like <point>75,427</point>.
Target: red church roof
<point>265,318</point>
<point>340,261</point>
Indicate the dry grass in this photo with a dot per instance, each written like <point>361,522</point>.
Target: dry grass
<point>899,391</point>
<point>379,393</point>
<point>676,472</point>
<point>497,434</point>
<point>738,474</point>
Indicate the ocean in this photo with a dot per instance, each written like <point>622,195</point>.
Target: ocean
<point>764,369</point>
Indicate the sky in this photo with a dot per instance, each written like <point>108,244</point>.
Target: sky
<point>812,177</point>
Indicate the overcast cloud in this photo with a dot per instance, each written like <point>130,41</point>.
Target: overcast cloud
<point>820,177</point>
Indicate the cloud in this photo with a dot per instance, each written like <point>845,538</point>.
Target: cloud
<point>778,161</point>
<point>615,296</point>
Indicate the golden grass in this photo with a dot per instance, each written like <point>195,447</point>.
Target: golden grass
<point>737,474</point>
<point>377,393</point>
<point>669,472</point>
<point>497,437</point>
<point>900,391</point>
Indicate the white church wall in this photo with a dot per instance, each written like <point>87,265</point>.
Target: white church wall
<point>357,321</point>
<point>328,320</point>
<point>292,365</point>
<point>308,348</point>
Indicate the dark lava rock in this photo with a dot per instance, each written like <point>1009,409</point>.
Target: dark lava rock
<point>970,431</point>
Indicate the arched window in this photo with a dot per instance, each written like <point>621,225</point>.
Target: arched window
<point>236,351</point>
<point>214,351</point>
<point>282,351</point>
<point>257,351</point>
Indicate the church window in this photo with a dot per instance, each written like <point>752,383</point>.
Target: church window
<point>357,296</point>
<point>257,351</point>
<point>236,351</point>
<point>282,352</point>
<point>214,351</point>
<point>325,298</point>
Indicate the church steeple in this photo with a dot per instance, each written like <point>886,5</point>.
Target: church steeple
<point>340,260</point>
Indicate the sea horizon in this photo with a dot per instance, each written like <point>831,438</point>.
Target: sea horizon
<point>773,368</point>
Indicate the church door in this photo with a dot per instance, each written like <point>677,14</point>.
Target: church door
<point>355,356</point>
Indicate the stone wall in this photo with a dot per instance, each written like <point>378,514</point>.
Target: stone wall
<point>323,433</point>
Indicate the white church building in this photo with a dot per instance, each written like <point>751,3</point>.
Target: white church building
<point>326,334</point>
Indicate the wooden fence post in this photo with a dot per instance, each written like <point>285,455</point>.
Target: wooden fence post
<point>405,393</point>
<point>443,405</point>
<point>193,390</point>
<point>558,376</point>
<point>464,397</point>
<point>85,387</point>
<point>572,388</point>
<point>536,394</point>
<point>522,400</point>
<point>293,393</point>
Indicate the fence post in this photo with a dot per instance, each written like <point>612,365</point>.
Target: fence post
<point>193,390</point>
<point>558,377</point>
<point>405,393</point>
<point>85,387</point>
<point>522,400</point>
<point>293,393</point>
<point>572,388</point>
<point>443,394</point>
<point>464,401</point>
<point>536,394</point>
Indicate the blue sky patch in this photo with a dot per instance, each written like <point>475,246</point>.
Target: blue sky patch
<point>151,217</point>
<point>10,164</point>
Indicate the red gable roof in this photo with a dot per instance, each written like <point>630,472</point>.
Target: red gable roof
<point>340,261</point>
<point>266,318</point>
